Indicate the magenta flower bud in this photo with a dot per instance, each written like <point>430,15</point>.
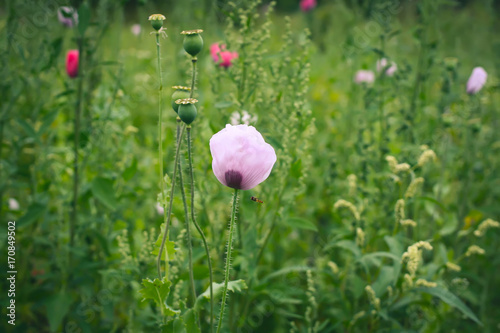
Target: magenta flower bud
<point>307,5</point>
<point>476,80</point>
<point>364,76</point>
<point>382,63</point>
<point>241,157</point>
<point>67,16</point>
<point>72,63</point>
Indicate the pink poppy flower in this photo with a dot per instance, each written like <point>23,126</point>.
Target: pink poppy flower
<point>241,157</point>
<point>364,76</point>
<point>67,16</point>
<point>227,58</point>
<point>221,56</point>
<point>215,49</point>
<point>382,63</point>
<point>307,5</point>
<point>72,63</point>
<point>476,80</point>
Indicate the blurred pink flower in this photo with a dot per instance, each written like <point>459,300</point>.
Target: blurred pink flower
<point>364,76</point>
<point>476,80</point>
<point>226,57</point>
<point>13,204</point>
<point>136,29</point>
<point>67,16</point>
<point>159,209</point>
<point>382,63</point>
<point>72,63</point>
<point>241,157</point>
<point>307,5</point>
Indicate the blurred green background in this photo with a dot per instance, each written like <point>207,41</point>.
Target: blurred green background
<point>295,72</point>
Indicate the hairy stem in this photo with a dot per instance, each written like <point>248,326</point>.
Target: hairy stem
<point>192,295</point>
<point>228,259</point>
<point>169,213</point>
<point>202,235</point>
<point>193,77</point>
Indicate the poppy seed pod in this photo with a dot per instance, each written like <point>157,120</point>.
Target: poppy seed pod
<point>180,92</point>
<point>193,42</point>
<point>187,110</point>
<point>157,21</point>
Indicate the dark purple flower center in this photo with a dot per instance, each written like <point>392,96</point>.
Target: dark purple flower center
<point>233,179</point>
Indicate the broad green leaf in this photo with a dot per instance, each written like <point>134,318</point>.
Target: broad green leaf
<point>102,189</point>
<point>189,318</point>
<point>236,286</point>
<point>450,225</point>
<point>57,308</point>
<point>286,270</point>
<point>385,277</point>
<point>179,326</point>
<point>450,298</point>
<point>35,211</point>
<point>346,244</point>
<point>394,245</point>
<point>299,223</point>
<point>158,291</point>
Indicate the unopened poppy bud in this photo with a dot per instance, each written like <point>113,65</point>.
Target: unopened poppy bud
<point>193,43</point>
<point>157,21</point>
<point>180,92</point>
<point>187,109</point>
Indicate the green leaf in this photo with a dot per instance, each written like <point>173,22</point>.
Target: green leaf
<point>450,298</point>
<point>169,245</point>
<point>300,223</point>
<point>129,172</point>
<point>189,318</point>
<point>236,286</point>
<point>35,211</point>
<point>102,189</point>
<point>57,307</point>
<point>346,244</point>
<point>28,129</point>
<point>158,291</point>
<point>83,18</point>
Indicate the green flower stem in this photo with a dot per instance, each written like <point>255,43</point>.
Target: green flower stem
<point>78,107</point>
<point>202,235</point>
<point>160,147</point>
<point>192,295</point>
<point>193,77</point>
<point>169,213</point>
<point>228,259</point>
